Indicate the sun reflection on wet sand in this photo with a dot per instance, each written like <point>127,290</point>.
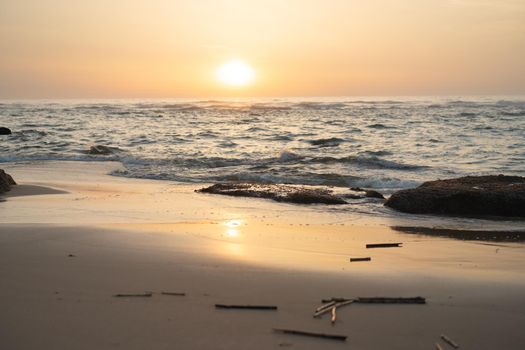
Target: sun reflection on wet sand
<point>231,232</point>
<point>233,225</point>
<point>328,247</point>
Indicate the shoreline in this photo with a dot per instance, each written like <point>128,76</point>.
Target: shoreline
<point>132,236</point>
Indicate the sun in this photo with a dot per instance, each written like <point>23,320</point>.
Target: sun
<point>235,73</point>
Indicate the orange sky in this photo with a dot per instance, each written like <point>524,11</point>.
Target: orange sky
<point>170,48</point>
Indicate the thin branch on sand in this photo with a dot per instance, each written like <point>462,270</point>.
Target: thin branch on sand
<point>174,294</point>
<point>360,259</point>
<point>334,314</point>
<point>380,300</point>
<point>143,295</point>
<point>311,334</point>
<point>383,245</point>
<point>449,341</point>
<point>329,308</point>
<point>251,307</point>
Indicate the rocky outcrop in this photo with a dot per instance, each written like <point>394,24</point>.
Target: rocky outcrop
<point>279,193</point>
<point>4,131</point>
<point>373,194</point>
<point>368,193</point>
<point>466,196</point>
<point>6,181</point>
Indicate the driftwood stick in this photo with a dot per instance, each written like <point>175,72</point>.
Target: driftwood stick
<point>383,245</point>
<point>311,334</point>
<point>325,306</point>
<point>337,300</point>
<point>360,259</point>
<point>322,312</point>
<point>449,341</point>
<point>334,314</point>
<point>144,295</point>
<point>252,307</point>
<point>438,347</point>
<point>174,293</point>
<point>336,305</point>
<point>343,303</point>
<point>377,300</point>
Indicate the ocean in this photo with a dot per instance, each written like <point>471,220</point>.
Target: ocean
<point>382,144</point>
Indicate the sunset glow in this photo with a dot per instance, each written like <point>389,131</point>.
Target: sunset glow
<point>294,48</point>
<point>235,73</point>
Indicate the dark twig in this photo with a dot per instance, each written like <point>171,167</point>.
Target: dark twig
<point>144,295</point>
<point>383,245</point>
<point>337,300</point>
<point>377,300</point>
<point>449,341</point>
<point>252,307</point>
<point>360,259</point>
<point>174,294</point>
<point>311,334</point>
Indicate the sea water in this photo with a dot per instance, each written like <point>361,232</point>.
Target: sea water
<point>384,144</point>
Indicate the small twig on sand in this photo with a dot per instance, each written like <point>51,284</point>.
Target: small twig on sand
<point>144,295</point>
<point>334,314</point>
<point>336,305</point>
<point>311,334</point>
<point>337,300</point>
<point>383,245</point>
<point>323,311</point>
<point>322,307</point>
<point>376,300</point>
<point>449,341</point>
<point>173,293</point>
<point>252,307</point>
<point>360,259</point>
<point>438,347</point>
<point>346,302</point>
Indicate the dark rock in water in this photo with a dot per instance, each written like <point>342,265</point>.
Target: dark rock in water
<point>5,131</point>
<point>331,142</point>
<point>279,193</point>
<point>352,196</point>
<point>373,194</point>
<point>465,196</point>
<point>6,181</point>
<point>368,193</point>
<point>100,150</point>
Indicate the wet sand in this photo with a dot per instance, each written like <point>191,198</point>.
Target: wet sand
<point>132,236</point>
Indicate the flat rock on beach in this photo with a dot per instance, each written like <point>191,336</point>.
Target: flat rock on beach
<point>279,193</point>
<point>465,196</point>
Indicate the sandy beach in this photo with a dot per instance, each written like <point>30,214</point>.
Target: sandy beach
<point>238,175</point>
<point>72,236</point>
